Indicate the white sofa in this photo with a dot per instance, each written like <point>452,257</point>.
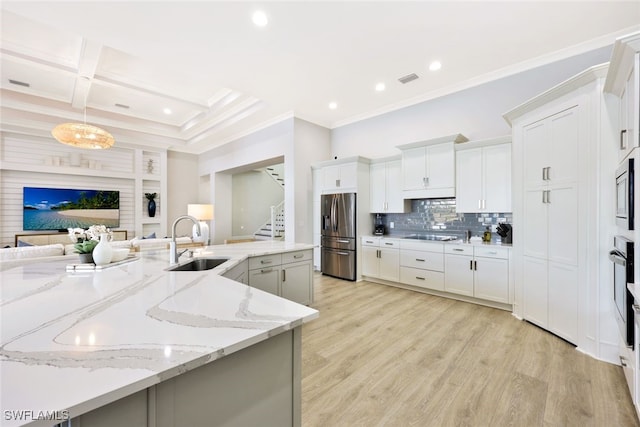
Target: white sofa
<point>10,257</point>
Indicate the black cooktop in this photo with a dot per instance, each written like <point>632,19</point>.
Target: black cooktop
<point>436,237</point>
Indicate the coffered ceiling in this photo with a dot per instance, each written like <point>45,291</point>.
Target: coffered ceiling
<point>191,76</point>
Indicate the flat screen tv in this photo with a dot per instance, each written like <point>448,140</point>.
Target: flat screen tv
<point>62,208</point>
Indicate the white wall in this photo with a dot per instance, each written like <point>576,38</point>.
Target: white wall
<point>295,143</point>
<point>254,192</point>
<point>476,112</point>
<point>312,144</point>
<point>183,187</point>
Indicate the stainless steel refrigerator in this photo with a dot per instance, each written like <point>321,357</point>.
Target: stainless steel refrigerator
<point>338,221</point>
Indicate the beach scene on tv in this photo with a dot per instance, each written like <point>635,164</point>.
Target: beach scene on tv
<point>62,208</point>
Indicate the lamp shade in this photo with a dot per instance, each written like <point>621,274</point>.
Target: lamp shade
<point>82,135</point>
<point>200,212</point>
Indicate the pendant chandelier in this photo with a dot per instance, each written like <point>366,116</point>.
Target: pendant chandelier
<point>83,135</point>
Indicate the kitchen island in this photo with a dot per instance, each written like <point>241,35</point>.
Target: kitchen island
<point>137,345</point>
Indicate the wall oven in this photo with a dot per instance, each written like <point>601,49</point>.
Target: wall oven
<point>625,194</point>
<point>622,258</point>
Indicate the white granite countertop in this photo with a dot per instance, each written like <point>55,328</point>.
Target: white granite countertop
<point>77,341</point>
<point>473,242</point>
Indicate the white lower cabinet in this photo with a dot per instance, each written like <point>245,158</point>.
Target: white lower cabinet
<point>380,258</point>
<point>289,275</point>
<point>477,271</point>
<point>422,264</point>
<point>239,273</point>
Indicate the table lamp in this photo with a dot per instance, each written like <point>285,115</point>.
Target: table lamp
<point>202,213</point>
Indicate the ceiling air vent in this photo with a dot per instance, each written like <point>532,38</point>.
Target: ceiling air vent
<point>122,106</point>
<point>408,78</point>
<point>19,83</point>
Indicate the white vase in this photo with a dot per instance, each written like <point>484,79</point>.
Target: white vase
<point>102,252</point>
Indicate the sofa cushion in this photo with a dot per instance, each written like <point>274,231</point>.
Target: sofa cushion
<point>31,252</point>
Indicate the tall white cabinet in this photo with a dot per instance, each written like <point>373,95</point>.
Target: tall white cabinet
<point>556,148</point>
<point>386,186</point>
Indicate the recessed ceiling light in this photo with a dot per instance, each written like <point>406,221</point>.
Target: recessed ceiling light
<point>260,18</point>
<point>333,105</point>
<point>380,87</point>
<point>167,111</point>
<point>435,66</point>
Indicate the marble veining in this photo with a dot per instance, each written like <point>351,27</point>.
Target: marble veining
<point>120,330</point>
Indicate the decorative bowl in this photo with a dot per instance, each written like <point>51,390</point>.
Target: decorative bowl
<point>118,254</point>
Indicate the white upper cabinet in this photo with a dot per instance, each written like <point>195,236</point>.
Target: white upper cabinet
<point>483,176</point>
<point>386,191</point>
<point>623,81</point>
<point>340,178</point>
<point>428,168</point>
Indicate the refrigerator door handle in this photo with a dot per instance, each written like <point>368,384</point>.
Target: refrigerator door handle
<point>334,207</point>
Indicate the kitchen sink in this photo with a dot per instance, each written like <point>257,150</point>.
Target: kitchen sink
<point>199,264</point>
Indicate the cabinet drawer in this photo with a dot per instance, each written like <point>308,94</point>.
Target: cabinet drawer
<point>289,257</point>
<point>422,260</point>
<point>422,278</point>
<point>458,249</point>
<point>417,245</point>
<point>371,241</point>
<point>389,243</point>
<point>265,261</point>
<point>491,252</point>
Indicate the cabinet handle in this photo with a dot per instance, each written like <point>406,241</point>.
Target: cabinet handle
<point>420,278</point>
<point>475,265</point>
<point>544,174</point>
<point>418,259</point>
<point>378,253</point>
<point>492,252</point>
<point>284,275</point>
<point>337,183</point>
<point>388,244</point>
<point>479,204</point>
<point>484,203</point>
<point>548,196</point>
<point>368,241</point>
<point>622,144</point>
<point>470,265</point>
<point>266,270</point>
<point>458,250</point>
<point>544,196</point>
<point>268,261</point>
<point>298,256</point>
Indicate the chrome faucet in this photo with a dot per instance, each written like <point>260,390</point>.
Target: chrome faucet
<point>173,247</point>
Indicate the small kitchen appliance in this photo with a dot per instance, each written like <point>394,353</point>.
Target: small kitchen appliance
<point>379,229</point>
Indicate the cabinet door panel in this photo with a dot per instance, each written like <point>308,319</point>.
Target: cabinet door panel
<point>536,295</point>
<point>370,262</point>
<point>562,224</point>
<point>563,301</point>
<point>441,166</point>
<point>535,141</point>
<point>377,181</point>
<point>389,264</point>
<point>469,180</point>
<point>496,178</point>
<point>296,282</point>
<point>395,202</point>
<point>349,176</point>
<point>491,279</point>
<point>534,224</point>
<point>458,274</point>
<point>330,177</point>
<point>413,168</point>
<point>266,279</point>
<point>562,157</point>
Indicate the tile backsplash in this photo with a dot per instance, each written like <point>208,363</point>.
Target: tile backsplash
<point>438,216</point>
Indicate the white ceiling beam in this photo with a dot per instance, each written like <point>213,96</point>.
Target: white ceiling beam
<point>87,66</point>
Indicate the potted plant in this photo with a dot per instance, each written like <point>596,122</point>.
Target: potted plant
<point>85,249</point>
<point>151,206</point>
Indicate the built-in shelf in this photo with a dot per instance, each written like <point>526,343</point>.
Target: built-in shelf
<point>66,170</point>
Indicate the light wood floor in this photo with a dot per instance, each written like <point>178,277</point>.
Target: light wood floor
<point>383,356</point>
